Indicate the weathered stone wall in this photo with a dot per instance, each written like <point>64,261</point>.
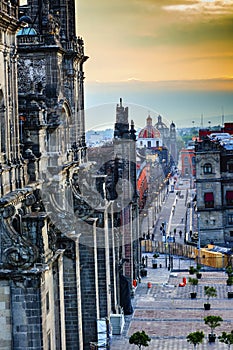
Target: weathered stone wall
<point>26,315</point>
<point>5,316</point>
<point>70,303</point>
<point>89,286</point>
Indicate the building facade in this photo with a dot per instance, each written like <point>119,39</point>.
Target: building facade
<point>149,136</point>
<point>168,135</point>
<point>188,162</point>
<point>214,188</point>
<point>60,252</point>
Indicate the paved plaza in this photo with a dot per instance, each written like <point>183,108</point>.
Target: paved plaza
<point>168,314</point>
<point>165,311</point>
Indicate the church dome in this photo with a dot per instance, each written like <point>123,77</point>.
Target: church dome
<point>25,19</point>
<point>149,131</point>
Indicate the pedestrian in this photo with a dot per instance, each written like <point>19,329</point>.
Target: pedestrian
<point>180,233</point>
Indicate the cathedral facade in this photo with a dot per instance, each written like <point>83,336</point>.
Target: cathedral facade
<point>60,256</point>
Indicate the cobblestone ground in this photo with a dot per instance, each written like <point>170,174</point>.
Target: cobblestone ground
<point>168,314</point>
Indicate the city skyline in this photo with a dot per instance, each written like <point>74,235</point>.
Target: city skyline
<point>174,57</point>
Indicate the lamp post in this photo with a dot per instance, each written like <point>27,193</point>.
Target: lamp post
<point>199,239</point>
<point>164,225</point>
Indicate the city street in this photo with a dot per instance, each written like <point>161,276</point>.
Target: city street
<point>165,311</point>
<point>168,314</point>
<point>176,214</point>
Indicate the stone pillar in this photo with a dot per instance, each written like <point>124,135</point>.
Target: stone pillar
<point>26,313</point>
<point>90,288</point>
<point>5,316</point>
<point>72,294</point>
<point>113,261</point>
<point>104,267</point>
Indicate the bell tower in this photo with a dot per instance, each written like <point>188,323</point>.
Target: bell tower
<point>51,84</point>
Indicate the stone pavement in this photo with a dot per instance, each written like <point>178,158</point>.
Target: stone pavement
<point>168,314</point>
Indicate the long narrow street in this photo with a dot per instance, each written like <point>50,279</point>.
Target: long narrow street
<point>164,310</point>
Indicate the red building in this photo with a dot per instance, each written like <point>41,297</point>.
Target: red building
<point>228,128</point>
<point>188,163</point>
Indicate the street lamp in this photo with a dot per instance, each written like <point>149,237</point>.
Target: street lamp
<point>199,239</point>
<point>164,238</point>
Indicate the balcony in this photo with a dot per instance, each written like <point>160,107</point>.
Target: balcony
<point>9,8</point>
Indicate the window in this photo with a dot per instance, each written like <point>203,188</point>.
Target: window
<point>229,197</point>
<point>230,167</point>
<point>47,302</point>
<point>230,219</point>
<point>49,341</point>
<point>207,168</point>
<point>149,144</point>
<point>209,200</point>
<point>231,233</point>
<point>186,160</point>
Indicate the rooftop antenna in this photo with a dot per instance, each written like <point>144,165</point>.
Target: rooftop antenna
<point>201,120</point>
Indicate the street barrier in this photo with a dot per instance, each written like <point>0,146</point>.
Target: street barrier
<point>204,256</point>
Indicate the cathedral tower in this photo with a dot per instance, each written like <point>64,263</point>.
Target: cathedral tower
<point>51,77</point>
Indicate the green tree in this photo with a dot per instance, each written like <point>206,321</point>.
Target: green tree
<point>195,338</point>
<point>210,292</point>
<point>140,339</point>
<point>213,322</point>
<point>226,338</point>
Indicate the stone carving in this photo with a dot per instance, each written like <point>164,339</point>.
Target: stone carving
<point>17,252</point>
<point>31,74</point>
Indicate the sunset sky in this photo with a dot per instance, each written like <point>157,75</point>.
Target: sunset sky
<point>159,51</point>
<point>155,50</point>
<point>153,40</point>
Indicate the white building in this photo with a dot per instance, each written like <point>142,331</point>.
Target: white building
<point>149,136</point>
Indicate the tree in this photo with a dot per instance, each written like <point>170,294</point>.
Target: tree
<point>213,322</point>
<point>226,338</point>
<point>229,272</point>
<point>209,292</point>
<point>195,338</point>
<point>140,339</point>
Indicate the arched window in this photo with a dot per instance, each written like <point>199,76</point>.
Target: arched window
<point>207,168</point>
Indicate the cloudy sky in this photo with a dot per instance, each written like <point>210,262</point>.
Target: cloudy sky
<point>174,57</point>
